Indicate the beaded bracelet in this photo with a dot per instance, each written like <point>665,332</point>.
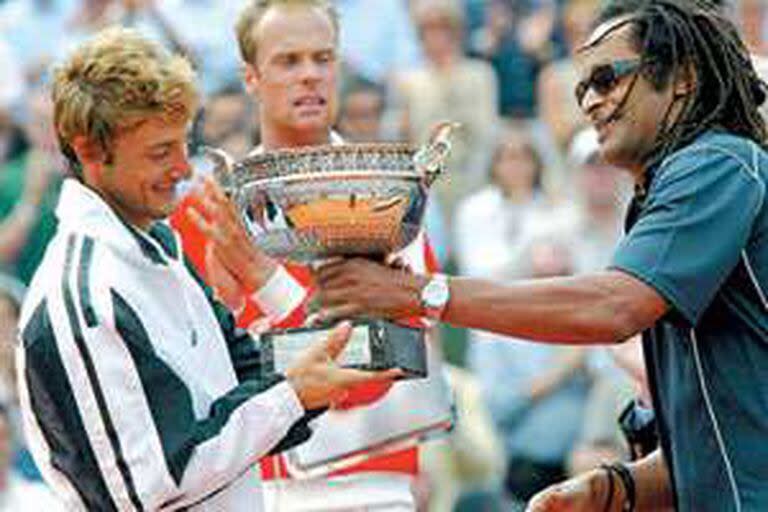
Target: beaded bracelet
<point>627,480</point>
<point>609,498</point>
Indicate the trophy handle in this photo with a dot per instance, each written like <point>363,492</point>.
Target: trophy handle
<point>223,164</point>
<point>430,158</point>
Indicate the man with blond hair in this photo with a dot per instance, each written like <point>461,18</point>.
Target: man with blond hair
<point>137,391</point>
<point>289,50</point>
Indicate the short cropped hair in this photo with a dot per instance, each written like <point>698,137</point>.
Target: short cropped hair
<point>115,81</point>
<point>254,11</point>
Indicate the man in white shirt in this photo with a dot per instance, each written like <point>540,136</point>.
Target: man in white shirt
<point>137,391</point>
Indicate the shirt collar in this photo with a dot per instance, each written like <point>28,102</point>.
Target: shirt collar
<point>81,209</point>
<point>335,140</point>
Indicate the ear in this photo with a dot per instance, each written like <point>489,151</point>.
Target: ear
<point>685,81</point>
<point>252,80</point>
<point>90,154</point>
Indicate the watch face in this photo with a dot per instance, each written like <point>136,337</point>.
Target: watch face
<point>436,293</point>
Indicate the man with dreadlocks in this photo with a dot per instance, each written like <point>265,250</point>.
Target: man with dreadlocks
<point>669,86</point>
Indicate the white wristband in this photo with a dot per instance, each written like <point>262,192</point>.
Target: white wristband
<point>280,295</point>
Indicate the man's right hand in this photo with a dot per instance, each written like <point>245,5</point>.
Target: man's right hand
<point>584,493</point>
<point>319,382</point>
<point>217,218</point>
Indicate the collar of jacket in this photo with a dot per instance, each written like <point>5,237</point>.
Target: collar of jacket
<point>81,209</point>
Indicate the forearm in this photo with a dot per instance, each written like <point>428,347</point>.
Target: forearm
<point>581,310</point>
<point>653,487</point>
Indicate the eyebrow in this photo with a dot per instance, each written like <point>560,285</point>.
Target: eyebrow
<point>288,51</point>
<point>160,145</point>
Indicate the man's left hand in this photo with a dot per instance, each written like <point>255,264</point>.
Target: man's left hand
<point>349,288</point>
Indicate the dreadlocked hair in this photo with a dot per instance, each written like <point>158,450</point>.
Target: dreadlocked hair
<point>680,38</point>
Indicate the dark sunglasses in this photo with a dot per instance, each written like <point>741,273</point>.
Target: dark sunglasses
<point>605,77</point>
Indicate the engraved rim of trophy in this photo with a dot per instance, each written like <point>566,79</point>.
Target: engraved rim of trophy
<point>316,202</point>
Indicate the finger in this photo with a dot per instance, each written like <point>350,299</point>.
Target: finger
<point>333,296</point>
<point>213,189</point>
<point>338,339</point>
<point>336,313</point>
<point>391,374</point>
<point>210,205</point>
<point>347,377</point>
<point>203,225</point>
<point>338,398</point>
<point>331,271</point>
<point>316,266</point>
<point>311,320</point>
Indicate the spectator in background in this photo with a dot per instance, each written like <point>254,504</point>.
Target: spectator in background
<point>226,121</point>
<point>29,187</point>
<point>13,84</point>
<point>494,225</point>
<point>143,15</point>
<point>450,86</point>
<point>377,38</point>
<point>538,409</point>
<point>361,110</point>
<point>11,296</point>
<point>229,121</point>
<point>468,462</point>
<point>213,47</point>
<point>16,493</point>
<point>38,27</point>
<point>603,192</point>
<point>516,39</point>
<point>12,88</point>
<point>555,103</point>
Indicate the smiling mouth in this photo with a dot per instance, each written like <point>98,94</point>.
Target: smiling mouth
<point>311,102</point>
<point>603,125</point>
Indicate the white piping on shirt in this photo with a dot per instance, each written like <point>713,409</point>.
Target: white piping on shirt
<point>715,424</point>
<point>754,280</point>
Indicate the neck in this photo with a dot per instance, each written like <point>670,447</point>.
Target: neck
<point>275,138</point>
<point>445,62</point>
<point>515,195</point>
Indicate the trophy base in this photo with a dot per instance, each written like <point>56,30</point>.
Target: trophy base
<point>373,345</point>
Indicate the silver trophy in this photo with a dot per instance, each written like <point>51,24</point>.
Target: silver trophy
<point>319,202</point>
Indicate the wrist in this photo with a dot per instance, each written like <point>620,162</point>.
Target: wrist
<point>434,295</point>
<point>623,498</point>
<point>603,489</point>
<point>257,274</point>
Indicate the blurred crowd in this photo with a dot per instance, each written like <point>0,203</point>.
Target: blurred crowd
<point>525,197</point>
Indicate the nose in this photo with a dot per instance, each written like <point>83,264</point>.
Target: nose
<point>310,71</point>
<point>181,169</point>
<point>590,103</point>
<point>589,100</point>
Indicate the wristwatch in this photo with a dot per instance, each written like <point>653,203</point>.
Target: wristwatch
<point>435,296</point>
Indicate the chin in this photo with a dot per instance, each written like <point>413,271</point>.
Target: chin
<point>612,155</point>
<point>317,122</point>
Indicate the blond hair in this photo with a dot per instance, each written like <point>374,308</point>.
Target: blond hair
<point>115,81</point>
<point>254,11</point>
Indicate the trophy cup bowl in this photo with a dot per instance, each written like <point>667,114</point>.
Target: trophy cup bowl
<point>319,202</point>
